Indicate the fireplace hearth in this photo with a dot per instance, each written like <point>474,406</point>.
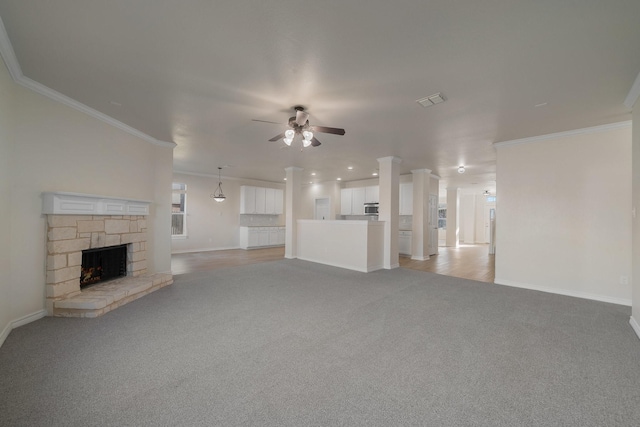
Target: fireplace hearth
<point>102,264</point>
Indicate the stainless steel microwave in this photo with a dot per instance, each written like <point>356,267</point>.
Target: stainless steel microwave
<point>371,208</point>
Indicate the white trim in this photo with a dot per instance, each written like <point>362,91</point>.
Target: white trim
<point>20,322</point>
<point>10,59</point>
<point>420,258</point>
<point>539,138</point>
<point>566,292</point>
<point>190,251</point>
<point>63,203</point>
<point>8,54</point>
<point>633,94</point>
<point>5,333</point>
<point>634,324</point>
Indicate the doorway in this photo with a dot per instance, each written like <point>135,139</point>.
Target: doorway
<point>322,209</point>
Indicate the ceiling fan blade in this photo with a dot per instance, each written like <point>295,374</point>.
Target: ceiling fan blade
<point>277,137</point>
<point>324,129</point>
<point>301,117</point>
<point>314,142</point>
<point>265,121</point>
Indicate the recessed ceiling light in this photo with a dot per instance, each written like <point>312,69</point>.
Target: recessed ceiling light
<point>375,174</point>
<point>285,179</point>
<point>350,168</point>
<point>313,174</point>
<point>338,179</point>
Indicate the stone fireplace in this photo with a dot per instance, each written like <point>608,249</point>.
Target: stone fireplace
<point>77,222</point>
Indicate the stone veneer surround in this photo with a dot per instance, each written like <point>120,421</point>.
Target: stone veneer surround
<point>68,236</point>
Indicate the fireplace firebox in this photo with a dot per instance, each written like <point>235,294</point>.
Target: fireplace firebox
<point>103,264</point>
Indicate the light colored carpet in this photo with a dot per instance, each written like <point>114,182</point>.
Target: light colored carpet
<point>292,343</point>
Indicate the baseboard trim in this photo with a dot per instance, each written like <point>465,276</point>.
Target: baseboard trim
<point>5,333</point>
<point>335,264</point>
<point>420,258</point>
<point>20,322</point>
<point>569,293</point>
<point>190,251</point>
<point>634,324</point>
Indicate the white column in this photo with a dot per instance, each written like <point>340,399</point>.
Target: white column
<point>420,222</point>
<point>292,211</point>
<point>453,220</point>
<point>389,210</point>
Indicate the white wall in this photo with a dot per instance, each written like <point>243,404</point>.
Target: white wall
<point>6,121</point>
<point>636,220</point>
<point>212,225</point>
<point>56,148</point>
<point>310,193</point>
<point>563,214</point>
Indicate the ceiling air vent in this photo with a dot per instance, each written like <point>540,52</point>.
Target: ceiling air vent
<point>431,100</point>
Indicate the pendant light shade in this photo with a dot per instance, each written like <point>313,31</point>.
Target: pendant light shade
<point>218,195</point>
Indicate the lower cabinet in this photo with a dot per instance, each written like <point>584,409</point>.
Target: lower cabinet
<point>404,242</point>
<point>260,237</point>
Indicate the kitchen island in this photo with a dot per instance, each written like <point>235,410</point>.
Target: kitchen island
<point>352,244</point>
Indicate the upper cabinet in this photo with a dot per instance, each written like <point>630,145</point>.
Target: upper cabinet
<point>406,198</point>
<point>259,200</point>
<point>372,194</point>
<point>352,200</point>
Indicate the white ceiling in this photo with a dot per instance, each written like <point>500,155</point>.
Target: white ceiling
<point>196,72</point>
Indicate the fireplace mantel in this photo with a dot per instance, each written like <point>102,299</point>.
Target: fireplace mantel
<point>62,203</point>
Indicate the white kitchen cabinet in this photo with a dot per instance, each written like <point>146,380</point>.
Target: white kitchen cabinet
<point>406,198</point>
<point>270,200</point>
<point>259,200</point>
<point>247,199</point>
<point>357,201</point>
<point>345,201</point>
<point>279,203</point>
<point>372,194</point>
<point>263,236</point>
<point>259,237</point>
<point>404,242</point>
<point>273,236</point>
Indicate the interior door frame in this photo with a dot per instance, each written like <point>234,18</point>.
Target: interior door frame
<point>315,207</point>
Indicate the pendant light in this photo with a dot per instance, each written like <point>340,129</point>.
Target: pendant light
<point>218,195</point>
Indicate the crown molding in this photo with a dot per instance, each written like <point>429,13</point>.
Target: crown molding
<point>593,129</point>
<point>634,93</point>
<point>11,61</point>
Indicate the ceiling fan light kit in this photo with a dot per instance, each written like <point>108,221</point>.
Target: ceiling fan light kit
<point>299,125</point>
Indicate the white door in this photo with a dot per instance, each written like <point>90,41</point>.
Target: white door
<point>488,214</point>
<point>323,209</point>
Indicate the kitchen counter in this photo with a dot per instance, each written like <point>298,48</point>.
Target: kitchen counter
<point>353,244</point>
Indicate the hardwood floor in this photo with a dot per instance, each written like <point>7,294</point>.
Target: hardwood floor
<point>203,261</point>
<point>466,261</point>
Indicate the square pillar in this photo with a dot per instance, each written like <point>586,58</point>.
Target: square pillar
<point>389,210</point>
<point>420,223</point>
<point>453,219</point>
<point>292,211</point>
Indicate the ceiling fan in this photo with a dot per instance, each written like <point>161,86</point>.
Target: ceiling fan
<point>299,125</point>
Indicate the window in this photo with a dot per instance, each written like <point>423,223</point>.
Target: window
<point>491,199</point>
<point>442,217</point>
<point>179,210</point>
